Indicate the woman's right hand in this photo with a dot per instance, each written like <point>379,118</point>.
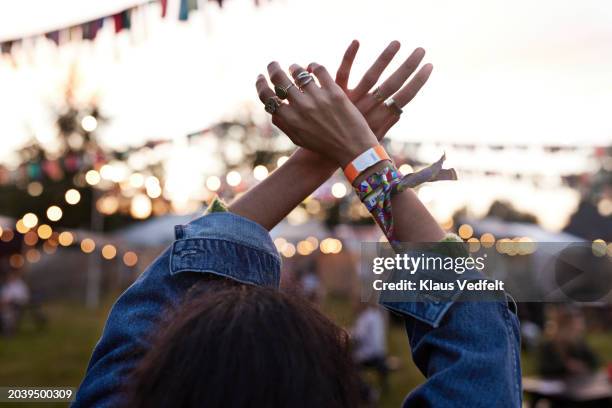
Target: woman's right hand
<point>379,117</point>
<point>323,118</point>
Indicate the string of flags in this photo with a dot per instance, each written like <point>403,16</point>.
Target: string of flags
<point>121,21</point>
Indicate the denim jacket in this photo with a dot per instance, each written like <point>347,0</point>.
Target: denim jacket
<point>469,352</point>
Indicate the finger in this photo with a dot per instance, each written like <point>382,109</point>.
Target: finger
<point>296,70</point>
<point>386,125</point>
<point>408,92</point>
<point>344,71</point>
<point>373,74</point>
<point>265,92</point>
<point>397,79</point>
<point>322,75</point>
<point>278,77</point>
<point>263,89</point>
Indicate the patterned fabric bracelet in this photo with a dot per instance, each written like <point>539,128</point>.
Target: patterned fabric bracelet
<point>376,190</point>
<point>375,193</point>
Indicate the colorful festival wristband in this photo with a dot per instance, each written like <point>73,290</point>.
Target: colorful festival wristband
<point>376,190</point>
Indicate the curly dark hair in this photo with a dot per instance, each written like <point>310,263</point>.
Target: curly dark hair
<point>239,345</point>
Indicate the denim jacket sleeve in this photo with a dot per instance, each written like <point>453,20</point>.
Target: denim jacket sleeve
<point>468,350</point>
<point>220,243</point>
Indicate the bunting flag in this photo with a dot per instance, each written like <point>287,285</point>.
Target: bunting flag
<point>89,30</point>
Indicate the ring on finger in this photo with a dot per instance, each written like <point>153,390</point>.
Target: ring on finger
<point>391,104</point>
<point>272,104</point>
<point>378,95</point>
<point>283,91</point>
<point>303,78</point>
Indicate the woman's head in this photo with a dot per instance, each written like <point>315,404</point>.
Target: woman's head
<point>234,345</point>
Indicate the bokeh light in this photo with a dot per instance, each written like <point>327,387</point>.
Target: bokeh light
<point>260,172</point>
<point>44,231</point>
<point>213,183</point>
<point>338,190</point>
<point>465,231</point>
<point>30,220</point>
<point>130,258</point>
<point>109,251</point>
<point>141,206</point>
<point>92,177</point>
<point>72,196</point>
<point>65,238</point>
<point>54,213</point>
<point>233,178</point>
<point>88,245</point>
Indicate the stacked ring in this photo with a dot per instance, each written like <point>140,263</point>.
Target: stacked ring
<point>272,104</point>
<point>303,78</point>
<point>391,104</point>
<point>282,91</point>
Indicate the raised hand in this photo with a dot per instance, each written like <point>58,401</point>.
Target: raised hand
<point>380,117</point>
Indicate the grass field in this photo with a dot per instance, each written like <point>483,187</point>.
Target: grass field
<point>58,355</point>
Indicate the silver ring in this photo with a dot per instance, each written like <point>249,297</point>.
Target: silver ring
<point>391,104</point>
<point>303,78</point>
<point>283,91</point>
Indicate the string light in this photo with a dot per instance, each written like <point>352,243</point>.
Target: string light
<point>331,246</point>
<point>107,205</point>
<point>338,190</point>
<point>153,187</point>
<point>72,196</point>
<point>44,231</point>
<point>130,258</point>
<point>35,189</point>
<point>109,251</point>
<point>7,236</point>
<point>137,180</point>
<point>233,178</point>
<point>260,172</point>
<point>88,245</point>
<point>89,123</point>
<point>466,231</point>
<point>213,183</point>
<point>65,239</point>
<point>30,220</point>
<point>288,250</point>
<point>49,248</point>
<point>280,243</point>
<point>487,240</point>
<point>16,261</point>
<point>20,227</point>
<point>473,244</point>
<point>54,213</point>
<point>30,238</point>
<point>305,247</point>
<point>92,177</point>
<point>141,207</point>
<point>32,255</point>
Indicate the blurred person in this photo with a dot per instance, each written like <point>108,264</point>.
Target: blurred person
<point>310,283</point>
<point>14,297</point>
<point>564,353</point>
<point>229,350</point>
<point>369,337</point>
